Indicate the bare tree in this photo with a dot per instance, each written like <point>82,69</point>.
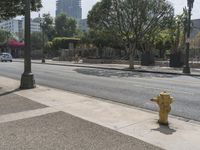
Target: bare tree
<point>132,20</point>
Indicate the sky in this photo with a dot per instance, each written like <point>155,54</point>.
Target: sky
<point>49,6</point>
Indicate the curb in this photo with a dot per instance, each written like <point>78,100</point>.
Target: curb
<point>111,68</point>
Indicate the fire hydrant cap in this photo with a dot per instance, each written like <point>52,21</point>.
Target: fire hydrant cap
<point>165,94</point>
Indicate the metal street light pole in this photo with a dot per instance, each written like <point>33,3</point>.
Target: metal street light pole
<point>43,38</point>
<point>27,79</point>
<point>186,68</point>
<point>43,42</point>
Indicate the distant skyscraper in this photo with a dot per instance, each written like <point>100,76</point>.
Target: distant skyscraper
<point>71,8</point>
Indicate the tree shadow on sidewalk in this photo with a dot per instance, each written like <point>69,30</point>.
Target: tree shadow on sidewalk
<point>9,92</point>
<point>120,74</point>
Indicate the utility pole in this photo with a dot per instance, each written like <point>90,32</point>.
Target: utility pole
<point>43,45</point>
<point>43,38</point>
<point>27,79</point>
<point>186,68</point>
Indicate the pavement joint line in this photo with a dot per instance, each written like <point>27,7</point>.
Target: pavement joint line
<point>26,114</point>
<point>132,124</point>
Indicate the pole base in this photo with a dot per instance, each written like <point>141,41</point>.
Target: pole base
<point>43,60</point>
<point>27,81</point>
<point>186,70</point>
<point>163,123</point>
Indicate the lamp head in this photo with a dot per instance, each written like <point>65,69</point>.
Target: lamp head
<point>190,3</point>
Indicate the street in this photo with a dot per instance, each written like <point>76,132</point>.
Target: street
<point>127,87</point>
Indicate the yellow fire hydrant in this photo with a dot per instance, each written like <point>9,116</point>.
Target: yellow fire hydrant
<point>163,100</point>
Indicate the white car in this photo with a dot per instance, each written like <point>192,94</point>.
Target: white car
<point>4,57</point>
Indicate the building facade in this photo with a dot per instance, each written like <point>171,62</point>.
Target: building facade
<point>35,25</point>
<point>195,28</point>
<point>13,25</point>
<point>83,25</point>
<point>16,27</point>
<point>72,8</point>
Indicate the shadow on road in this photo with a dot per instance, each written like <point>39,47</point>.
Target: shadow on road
<point>120,74</point>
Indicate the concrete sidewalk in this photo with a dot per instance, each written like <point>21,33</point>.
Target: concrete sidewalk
<point>46,117</point>
<point>29,125</point>
<point>138,68</point>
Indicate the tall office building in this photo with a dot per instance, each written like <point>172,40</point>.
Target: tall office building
<point>72,8</point>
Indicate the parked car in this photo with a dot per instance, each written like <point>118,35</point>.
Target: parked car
<point>4,57</point>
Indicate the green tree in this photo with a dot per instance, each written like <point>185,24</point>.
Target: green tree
<point>102,39</point>
<point>65,26</point>
<point>184,21</point>
<point>177,32</point>
<point>36,38</point>
<point>173,35</point>
<point>132,20</point>
<point>47,26</point>
<point>4,36</point>
<point>63,42</point>
<point>12,8</point>
<point>162,42</point>
<point>50,50</point>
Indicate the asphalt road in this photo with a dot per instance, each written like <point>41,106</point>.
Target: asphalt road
<point>131,88</point>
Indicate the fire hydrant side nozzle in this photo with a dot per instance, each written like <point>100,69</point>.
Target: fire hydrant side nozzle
<point>154,99</point>
<point>164,101</point>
